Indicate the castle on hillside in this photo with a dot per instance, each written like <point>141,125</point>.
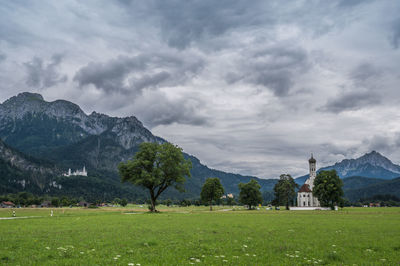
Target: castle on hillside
<point>77,172</point>
<point>305,197</point>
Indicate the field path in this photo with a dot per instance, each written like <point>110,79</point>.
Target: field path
<point>22,217</point>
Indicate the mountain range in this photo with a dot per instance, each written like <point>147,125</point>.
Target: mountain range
<point>62,135</point>
<point>40,140</point>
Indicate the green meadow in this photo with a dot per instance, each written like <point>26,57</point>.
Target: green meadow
<point>194,235</point>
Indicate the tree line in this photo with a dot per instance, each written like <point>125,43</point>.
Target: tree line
<point>156,167</point>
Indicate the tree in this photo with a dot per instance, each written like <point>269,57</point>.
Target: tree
<point>285,190</point>
<point>328,188</point>
<point>156,167</point>
<point>123,202</point>
<point>250,194</point>
<point>116,201</point>
<point>212,190</point>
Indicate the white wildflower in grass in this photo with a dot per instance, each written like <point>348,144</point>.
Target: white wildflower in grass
<point>368,250</point>
<point>216,256</point>
<point>247,254</point>
<point>131,264</point>
<point>222,256</point>
<point>118,256</point>
<point>82,252</point>
<point>47,247</point>
<point>333,245</point>
<point>224,260</point>
<point>291,256</point>
<point>202,256</point>
<point>93,249</point>
<point>254,255</point>
<point>138,264</point>
<point>296,256</point>
<point>383,259</point>
<point>197,260</point>
<point>236,257</point>
<point>297,251</point>
<point>334,251</point>
<point>191,263</point>
<point>115,258</point>
<point>192,258</point>
<point>245,246</point>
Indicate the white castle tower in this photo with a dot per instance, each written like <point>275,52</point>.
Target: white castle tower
<point>305,197</point>
<point>77,172</point>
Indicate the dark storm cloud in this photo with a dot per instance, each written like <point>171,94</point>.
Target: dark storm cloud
<point>272,68</point>
<point>352,101</point>
<point>44,75</point>
<point>133,74</point>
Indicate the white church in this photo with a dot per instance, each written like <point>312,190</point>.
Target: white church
<point>305,196</point>
<point>82,172</point>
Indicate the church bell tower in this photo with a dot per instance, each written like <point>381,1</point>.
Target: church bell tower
<point>313,172</point>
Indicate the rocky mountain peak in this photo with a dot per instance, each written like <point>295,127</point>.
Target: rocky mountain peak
<point>24,97</point>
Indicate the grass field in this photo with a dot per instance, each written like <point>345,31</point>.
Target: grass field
<point>193,235</point>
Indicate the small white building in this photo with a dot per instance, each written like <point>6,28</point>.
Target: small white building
<point>77,172</point>
<point>305,196</point>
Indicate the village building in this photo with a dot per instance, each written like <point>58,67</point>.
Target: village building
<point>305,196</point>
<point>7,204</point>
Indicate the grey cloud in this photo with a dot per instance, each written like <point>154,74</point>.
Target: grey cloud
<point>395,37</point>
<point>133,74</point>
<point>156,109</point>
<point>274,68</point>
<point>2,57</point>
<point>351,101</point>
<point>364,72</point>
<point>44,75</point>
<point>351,3</point>
<point>183,22</point>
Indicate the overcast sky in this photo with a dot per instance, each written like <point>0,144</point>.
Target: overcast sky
<point>250,87</point>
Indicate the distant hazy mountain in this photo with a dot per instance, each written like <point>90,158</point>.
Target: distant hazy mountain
<point>372,164</point>
<point>60,132</point>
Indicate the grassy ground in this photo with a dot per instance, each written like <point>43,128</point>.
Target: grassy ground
<point>193,235</point>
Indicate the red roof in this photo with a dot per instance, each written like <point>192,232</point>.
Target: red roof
<point>7,203</point>
<point>305,188</point>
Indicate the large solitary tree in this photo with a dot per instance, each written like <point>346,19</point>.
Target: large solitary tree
<point>250,194</point>
<point>156,167</point>
<point>211,191</point>
<point>328,188</point>
<point>285,191</point>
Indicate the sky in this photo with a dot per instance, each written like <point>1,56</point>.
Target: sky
<point>250,87</point>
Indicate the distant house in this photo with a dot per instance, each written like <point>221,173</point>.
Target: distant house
<point>7,204</point>
<point>84,204</point>
<point>45,204</point>
<point>374,204</point>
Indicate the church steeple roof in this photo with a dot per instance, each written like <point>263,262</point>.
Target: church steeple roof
<point>312,160</point>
